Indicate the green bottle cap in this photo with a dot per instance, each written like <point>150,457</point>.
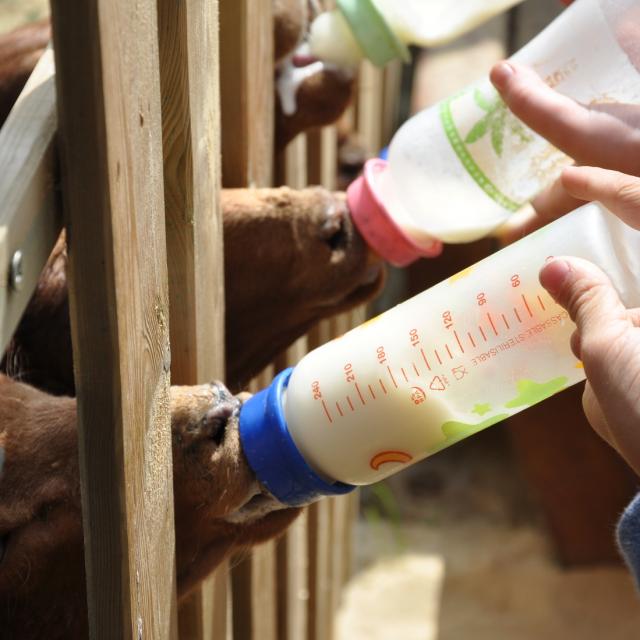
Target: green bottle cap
<point>376,39</point>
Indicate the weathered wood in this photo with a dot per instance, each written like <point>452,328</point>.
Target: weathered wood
<point>191,125</point>
<point>29,216</point>
<point>111,159</point>
<point>206,615</point>
<point>320,623</point>
<point>247,94</point>
<point>322,150</point>
<point>246,46</point>
<point>369,107</point>
<point>293,586</point>
<point>254,589</point>
<point>188,39</point>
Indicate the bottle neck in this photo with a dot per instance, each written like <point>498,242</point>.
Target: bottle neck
<point>272,453</point>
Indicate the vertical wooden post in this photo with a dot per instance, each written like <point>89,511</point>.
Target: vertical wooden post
<point>111,151</point>
<point>246,80</point>
<point>189,52</point>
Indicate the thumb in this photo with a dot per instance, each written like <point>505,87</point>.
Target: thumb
<point>589,297</point>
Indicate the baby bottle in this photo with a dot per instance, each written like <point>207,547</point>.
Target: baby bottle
<point>457,358</point>
<point>380,30</point>
<point>457,170</point>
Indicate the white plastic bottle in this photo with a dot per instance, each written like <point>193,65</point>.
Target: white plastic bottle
<point>457,170</point>
<point>457,358</point>
<point>380,29</point>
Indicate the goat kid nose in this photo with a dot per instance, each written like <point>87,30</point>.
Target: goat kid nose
<point>334,229</point>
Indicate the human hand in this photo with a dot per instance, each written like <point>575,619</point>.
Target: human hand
<point>604,135</point>
<point>607,337</point>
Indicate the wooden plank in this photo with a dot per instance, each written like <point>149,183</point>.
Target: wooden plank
<point>247,94</point>
<point>191,119</point>
<point>254,589</point>
<point>293,585</point>
<point>320,624</point>
<point>369,107</point>
<point>246,45</point>
<point>292,165</point>
<point>322,150</point>
<point>111,158</point>
<point>188,40</point>
<point>206,615</point>
<point>29,216</point>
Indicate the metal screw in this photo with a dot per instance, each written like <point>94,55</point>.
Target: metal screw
<point>16,275</point>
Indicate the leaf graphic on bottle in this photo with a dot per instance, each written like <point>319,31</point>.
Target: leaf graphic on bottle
<point>495,123</point>
<point>481,101</point>
<point>479,130</point>
<point>497,133</point>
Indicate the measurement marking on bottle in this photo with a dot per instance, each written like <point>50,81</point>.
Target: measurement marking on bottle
<point>448,351</point>
<point>404,373</point>
<point>484,337</point>
<point>416,369</point>
<point>526,304</point>
<point>360,394</point>
<point>515,311</point>
<point>339,408</point>
<point>493,326</point>
<point>326,411</point>
<point>455,333</point>
<point>541,304</point>
<point>395,384</point>
<point>506,324</point>
<point>437,355</point>
<point>382,386</point>
<point>350,404</point>
<point>373,395</point>
<point>471,340</point>
<point>424,357</point>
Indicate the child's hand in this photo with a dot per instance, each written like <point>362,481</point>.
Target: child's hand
<point>607,338</point>
<point>604,135</point>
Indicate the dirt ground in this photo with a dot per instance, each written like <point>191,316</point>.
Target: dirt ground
<point>13,13</point>
<point>453,549</point>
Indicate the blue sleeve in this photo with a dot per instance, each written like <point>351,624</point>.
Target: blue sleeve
<point>629,537</point>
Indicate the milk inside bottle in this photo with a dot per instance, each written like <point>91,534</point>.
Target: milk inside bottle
<point>380,30</point>
<point>459,169</point>
<point>456,359</point>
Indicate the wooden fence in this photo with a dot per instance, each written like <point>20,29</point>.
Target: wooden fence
<point>154,108</point>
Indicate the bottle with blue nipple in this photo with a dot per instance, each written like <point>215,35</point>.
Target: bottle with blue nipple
<point>471,351</point>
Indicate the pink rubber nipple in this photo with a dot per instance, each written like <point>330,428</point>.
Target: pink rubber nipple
<point>376,225</point>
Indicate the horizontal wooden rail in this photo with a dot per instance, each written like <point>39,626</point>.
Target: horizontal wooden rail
<point>29,218</point>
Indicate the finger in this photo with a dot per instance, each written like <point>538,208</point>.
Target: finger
<point>589,297</point>
<point>595,415</point>
<point>617,191</point>
<point>576,345</point>
<point>623,439</point>
<point>588,136</point>
<point>551,204</point>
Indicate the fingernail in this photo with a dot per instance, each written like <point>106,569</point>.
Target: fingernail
<point>501,73</point>
<point>554,274</point>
